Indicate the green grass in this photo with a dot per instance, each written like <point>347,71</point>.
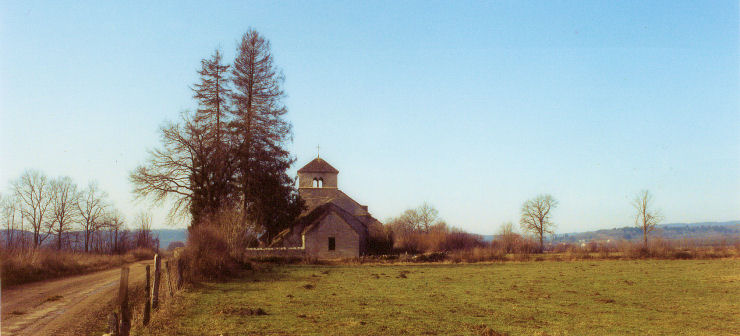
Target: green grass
<point>658,297</point>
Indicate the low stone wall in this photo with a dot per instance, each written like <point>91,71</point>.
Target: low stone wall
<point>275,252</point>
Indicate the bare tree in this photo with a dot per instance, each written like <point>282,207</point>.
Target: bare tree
<point>646,218</point>
<point>144,230</point>
<point>91,206</point>
<point>172,170</point>
<point>427,216</point>
<point>112,222</point>
<point>420,219</point>
<point>508,237</point>
<point>11,218</point>
<point>33,192</point>
<point>63,207</point>
<point>536,217</point>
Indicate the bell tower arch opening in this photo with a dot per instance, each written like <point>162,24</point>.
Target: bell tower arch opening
<point>317,174</point>
<point>318,182</point>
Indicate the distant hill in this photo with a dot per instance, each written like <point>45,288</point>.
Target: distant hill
<point>166,236</point>
<point>729,229</point>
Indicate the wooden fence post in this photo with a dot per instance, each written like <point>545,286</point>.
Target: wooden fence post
<point>147,309</point>
<point>179,273</point>
<point>125,326</point>
<point>113,324</point>
<point>169,276</point>
<point>155,289</point>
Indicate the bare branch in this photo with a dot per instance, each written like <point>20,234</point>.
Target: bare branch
<point>536,217</point>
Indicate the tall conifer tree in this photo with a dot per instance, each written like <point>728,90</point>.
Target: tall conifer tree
<point>231,153</point>
<point>214,168</point>
<point>212,93</point>
<point>269,196</point>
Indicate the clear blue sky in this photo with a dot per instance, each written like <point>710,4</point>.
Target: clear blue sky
<point>471,106</point>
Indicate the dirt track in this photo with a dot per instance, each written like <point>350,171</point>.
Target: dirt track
<point>62,306</point>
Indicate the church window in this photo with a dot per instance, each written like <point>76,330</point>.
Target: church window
<point>332,244</point>
<point>318,182</point>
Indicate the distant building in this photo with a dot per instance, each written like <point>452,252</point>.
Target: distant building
<point>334,225</point>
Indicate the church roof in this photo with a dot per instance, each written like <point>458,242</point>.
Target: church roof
<point>309,221</point>
<point>318,165</point>
<point>319,213</point>
<point>315,197</point>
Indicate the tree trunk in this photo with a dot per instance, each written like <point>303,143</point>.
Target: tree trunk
<point>644,236</point>
<point>542,245</point>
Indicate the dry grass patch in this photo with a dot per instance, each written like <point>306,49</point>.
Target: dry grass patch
<point>19,267</point>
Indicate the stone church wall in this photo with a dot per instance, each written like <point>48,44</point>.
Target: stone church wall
<point>275,252</point>
<point>347,241</point>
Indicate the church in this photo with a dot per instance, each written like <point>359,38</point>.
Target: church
<point>333,225</point>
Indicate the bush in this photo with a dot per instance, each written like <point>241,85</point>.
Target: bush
<point>443,240</point>
<point>380,240</point>
<point>429,257</point>
<point>175,244</point>
<point>142,253</point>
<point>206,255</point>
<point>479,254</point>
<point>683,255</point>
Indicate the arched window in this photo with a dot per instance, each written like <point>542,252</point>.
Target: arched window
<point>318,182</point>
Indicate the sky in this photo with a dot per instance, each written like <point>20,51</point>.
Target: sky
<point>471,106</point>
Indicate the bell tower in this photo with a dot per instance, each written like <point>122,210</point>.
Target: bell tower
<point>317,174</point>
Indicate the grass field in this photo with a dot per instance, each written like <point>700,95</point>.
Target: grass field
<point>612,297</point>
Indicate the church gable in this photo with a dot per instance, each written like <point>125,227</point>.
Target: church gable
<point>332,237</point>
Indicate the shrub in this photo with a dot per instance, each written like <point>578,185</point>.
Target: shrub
<point>478,254</point>
<point>527,245</point>
<point>206,255</point>
<point>380,239</point>
<point>440,240</point>
<point>142,253</point>
<point>683,255</point>
<point>429,257</point>
<point>175,244</point>
<point>19,267</point>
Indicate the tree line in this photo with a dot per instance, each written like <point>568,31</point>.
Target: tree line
<point>226,163</point>
<point>421,229</point>
<point>39,211</point>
